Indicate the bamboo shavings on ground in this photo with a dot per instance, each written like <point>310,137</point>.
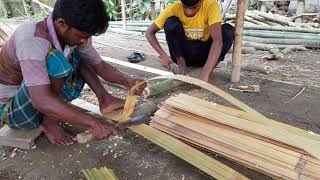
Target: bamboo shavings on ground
<point>234,134</point>
<point>99,174</point>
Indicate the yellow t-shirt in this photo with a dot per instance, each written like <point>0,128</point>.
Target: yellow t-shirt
<point>196,27</point>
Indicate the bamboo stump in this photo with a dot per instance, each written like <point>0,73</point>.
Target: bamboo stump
<point>236,56</point>
<point>153,10</point>
<point>123,13</point>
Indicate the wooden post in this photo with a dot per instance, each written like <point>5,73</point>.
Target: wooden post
<point>236,56</point>
<point>300,10</point>
<point>153,10</point>
<point>123,12</point>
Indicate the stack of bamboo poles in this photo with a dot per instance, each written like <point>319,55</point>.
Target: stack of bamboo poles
<point>238,136</point>
<point>277,34</point>
<point>262,31</point>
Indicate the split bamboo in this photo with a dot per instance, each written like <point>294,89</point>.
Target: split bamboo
<point>238,136</point>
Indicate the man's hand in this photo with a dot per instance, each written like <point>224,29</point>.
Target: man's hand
<point>166,61</point>
<point>182,66</point>
<point>102,130</point>
<point>133,81</point>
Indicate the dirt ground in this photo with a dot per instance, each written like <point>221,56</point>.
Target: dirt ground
<point>132,157</point>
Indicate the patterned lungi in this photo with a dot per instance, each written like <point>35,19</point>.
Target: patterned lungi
<point>19,112</point>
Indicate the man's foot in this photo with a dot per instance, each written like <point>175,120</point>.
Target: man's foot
<point>55,133</point>
<point>110,104</point>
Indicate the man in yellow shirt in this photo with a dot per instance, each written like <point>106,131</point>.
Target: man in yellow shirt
<point>194,35</point>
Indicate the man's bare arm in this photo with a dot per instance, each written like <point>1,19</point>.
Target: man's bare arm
<point>215,51</point>
<point>51,104</point>
<point>111,74</point>
<point>151,36</point>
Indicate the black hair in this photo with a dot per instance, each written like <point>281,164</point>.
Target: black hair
<point>189,3</point>
<point>85,15</point>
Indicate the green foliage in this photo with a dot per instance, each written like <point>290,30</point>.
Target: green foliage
<point>111,8</point>
<point>168,2</point>
<point>253,4</point>
<point>138,9</point>
<point>40,14</point>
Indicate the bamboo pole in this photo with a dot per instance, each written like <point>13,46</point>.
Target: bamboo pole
<point>302,42</point>
<point>123,13</point>
<point>236,56</point>
<point>267,47</point>
<point>300,10</point>
<point>283,28</point>
<point>153,10</point>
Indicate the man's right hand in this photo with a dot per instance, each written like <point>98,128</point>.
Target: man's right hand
<point>102,130</point>
<point>166,61</point>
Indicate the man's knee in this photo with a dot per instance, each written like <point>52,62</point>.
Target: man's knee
<point>172,24</point>
<point>227,33</point>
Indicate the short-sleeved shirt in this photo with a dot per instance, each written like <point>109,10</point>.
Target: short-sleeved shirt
<point>27,50</point>
<point>196,27</point>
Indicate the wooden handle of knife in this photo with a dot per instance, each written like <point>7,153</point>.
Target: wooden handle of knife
<point>85,137</point>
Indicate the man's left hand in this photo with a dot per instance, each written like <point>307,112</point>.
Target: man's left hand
<point>133,81</point>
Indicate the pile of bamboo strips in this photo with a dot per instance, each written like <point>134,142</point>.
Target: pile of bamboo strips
<point>238,136</point>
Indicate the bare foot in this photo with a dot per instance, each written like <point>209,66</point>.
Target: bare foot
<point>55,132</point>
<point>182,66</point>
<point>110,103</point>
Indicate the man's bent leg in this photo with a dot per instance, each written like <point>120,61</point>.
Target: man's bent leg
<point>227,38</point>
<point>201,49</point>
<point>177,42</point>
<point>107,102</point>
<point>22,115</point>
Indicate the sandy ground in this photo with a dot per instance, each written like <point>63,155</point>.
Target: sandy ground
<point>132,157</point>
